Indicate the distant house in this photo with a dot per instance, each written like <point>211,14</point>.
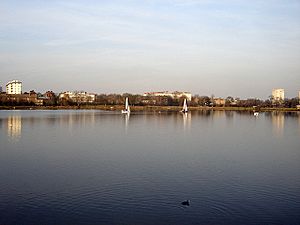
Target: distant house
<point>49,94</point>
<point>149,101</point>
<point>26,98</point>
<point>77,97</point>
<point>219,101</point>
<point>48,98</point>
<point>175,94</point>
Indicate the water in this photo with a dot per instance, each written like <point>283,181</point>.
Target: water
<point>96,167</point>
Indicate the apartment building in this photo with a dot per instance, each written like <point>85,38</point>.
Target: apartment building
<point>278,94</point>
<point>14,87</point>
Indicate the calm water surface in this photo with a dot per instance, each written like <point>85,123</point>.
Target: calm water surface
<point>96,167</point>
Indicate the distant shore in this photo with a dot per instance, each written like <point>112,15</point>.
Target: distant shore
<point>143,108</point>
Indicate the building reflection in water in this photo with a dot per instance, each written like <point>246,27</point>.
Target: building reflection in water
<point>278,123</point>
<point>75,118</point>
<point>14,126</point>
<point>218,114</point>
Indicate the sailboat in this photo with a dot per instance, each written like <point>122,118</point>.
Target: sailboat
<point>184,108</point>
<point>127,108</point>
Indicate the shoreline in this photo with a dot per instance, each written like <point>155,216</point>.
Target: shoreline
<point>145,108</point>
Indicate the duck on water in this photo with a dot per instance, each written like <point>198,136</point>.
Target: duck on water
<point>186,202</point>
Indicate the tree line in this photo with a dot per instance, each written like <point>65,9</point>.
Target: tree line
<point>197,100</point>
<point>140,100</point>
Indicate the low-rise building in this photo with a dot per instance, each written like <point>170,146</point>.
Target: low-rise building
<point>175,94</point>
<point>48,98</point>
<point>149,101</point>
<point>50,95</point>
<point>26,98</point>
<point>77,97</point>
<point>219,101</point>
<point>14,87</point>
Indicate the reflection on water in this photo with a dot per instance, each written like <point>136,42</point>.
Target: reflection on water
<point>218,114</point>
<point>84,118</point>
<point>83,167</point>
<point>230,114</point>
<point>187,120</point>
<point>73,118</point>
<point>278,123</point>
<point>14,126</point>
<point>126,116</point>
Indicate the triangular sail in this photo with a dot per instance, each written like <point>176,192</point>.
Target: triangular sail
<point>127,108</point>
<point>126,104</point>
<point>184,108</point>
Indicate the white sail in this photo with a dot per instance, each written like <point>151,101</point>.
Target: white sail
<point>127,108</point>
<point>184,108</point>
<point>126,104</point>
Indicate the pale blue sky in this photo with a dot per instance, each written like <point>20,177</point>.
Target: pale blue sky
<point>234,47</point>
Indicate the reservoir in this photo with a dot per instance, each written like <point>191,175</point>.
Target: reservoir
<point>104,167</point>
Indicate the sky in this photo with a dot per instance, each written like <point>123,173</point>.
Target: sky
<point>222,48</point>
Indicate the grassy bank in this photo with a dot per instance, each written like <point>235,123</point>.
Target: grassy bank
<point>141,108</point>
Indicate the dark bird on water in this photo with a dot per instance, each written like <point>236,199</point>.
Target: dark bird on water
<point>187,202</point>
